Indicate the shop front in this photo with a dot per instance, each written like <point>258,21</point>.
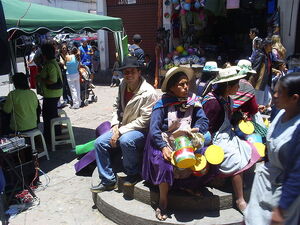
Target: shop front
<point>211,30</point>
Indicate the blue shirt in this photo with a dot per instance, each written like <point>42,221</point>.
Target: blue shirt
<point>86,55</point>
<point>72,66</point>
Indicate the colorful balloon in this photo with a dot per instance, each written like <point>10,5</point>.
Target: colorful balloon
<point>184,53</point>
<point>187,6</point>
<point>177,7</point>
<point>197,5</point>
<point>191,51</point>
<point>167,15</point>
<point>179,48</point>
<point>182,12</point>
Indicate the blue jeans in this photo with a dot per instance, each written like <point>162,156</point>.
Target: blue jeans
<point>130,143</point>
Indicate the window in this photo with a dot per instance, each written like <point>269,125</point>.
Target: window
<point>126,2</point>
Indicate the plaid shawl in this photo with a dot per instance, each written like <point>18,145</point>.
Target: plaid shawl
<point>244,94</point>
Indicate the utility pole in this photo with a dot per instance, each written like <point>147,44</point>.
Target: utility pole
<point>102,36</point>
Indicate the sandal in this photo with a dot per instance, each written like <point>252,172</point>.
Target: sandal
<point>241,207</point>
<point>161,214</point>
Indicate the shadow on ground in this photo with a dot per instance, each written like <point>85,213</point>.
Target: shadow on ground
<point>64,153</point>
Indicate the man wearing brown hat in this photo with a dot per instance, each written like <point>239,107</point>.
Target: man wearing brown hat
<point>131,117</point>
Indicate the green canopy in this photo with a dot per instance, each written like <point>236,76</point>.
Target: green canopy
<point>27,18</point>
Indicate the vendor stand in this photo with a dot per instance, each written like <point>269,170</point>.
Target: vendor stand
<point>24,18</point>
<point>208,30</point>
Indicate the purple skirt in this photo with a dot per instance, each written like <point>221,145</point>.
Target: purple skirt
<point>157,170</point>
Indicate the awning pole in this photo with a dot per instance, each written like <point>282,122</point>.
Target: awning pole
<point>12,45</point>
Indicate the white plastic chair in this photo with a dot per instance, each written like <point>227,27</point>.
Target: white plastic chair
<point>32,134</point>
<point>64,138</point>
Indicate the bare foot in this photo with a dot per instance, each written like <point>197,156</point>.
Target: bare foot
<point>161,214</point>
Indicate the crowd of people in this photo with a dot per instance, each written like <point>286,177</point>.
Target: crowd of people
<point>145,125</point>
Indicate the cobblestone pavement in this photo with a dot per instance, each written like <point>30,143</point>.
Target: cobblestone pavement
<point>67,199</point>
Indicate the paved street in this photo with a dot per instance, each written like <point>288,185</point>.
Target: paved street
<point>67,199</point>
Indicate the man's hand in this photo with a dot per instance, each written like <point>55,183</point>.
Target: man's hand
<point>167,153</point>
<point>115,136</point>
<point>277,217</point>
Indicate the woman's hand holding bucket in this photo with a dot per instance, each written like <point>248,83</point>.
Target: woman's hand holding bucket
<point>167,153</point>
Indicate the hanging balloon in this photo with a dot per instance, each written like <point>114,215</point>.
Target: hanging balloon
<point>177,7</point>
<point>202,3</point>
<point>167,15</point>
<point>184,53</point>
<point>197,5</point>
<point>179,49</point>
<point>187,6</point>
<point>175,1</point>
<point>167,2</point>
<point>182,4</point>
<point>191,51</point>
<point>182,12</point>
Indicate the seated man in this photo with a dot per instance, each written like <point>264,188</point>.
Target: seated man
<point>22,104</point>
<point>130,121</point>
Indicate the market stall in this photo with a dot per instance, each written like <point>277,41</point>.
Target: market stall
<point>24,18</point>
<point>209,30</point>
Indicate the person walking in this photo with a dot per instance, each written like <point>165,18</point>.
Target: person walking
<point>262,64</point>
<point>72,72</point>
<point>86,54</point>
<point>253,35</point>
